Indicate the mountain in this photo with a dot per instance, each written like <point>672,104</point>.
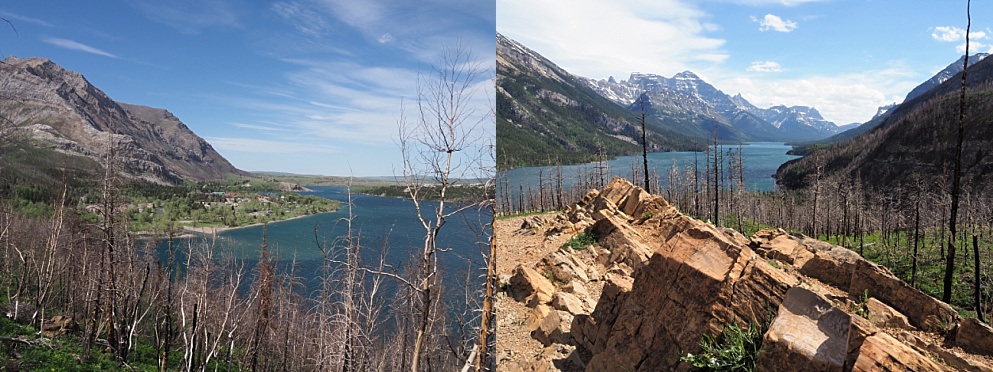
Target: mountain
<point>545,115</point>
<point>57,109</point>
<point>885,111</point>
<point>947,73</point>
<point>690,105</point>
<point>914,142</point>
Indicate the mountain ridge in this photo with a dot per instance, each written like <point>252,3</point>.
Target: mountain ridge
<point>60,109</point>
<point>548,116</point>
<point>686,94</point>
<point>912,143</point>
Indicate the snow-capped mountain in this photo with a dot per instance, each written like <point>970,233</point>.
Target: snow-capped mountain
<point>686,96</point>
<point>943,75</point>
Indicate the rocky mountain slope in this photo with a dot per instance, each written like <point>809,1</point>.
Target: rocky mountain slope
<point>914,140</point>
<point>59,109</point>
<point>688,103</point>
<point>545,115</point>
<point>942,76</point>
<point>656,281</point>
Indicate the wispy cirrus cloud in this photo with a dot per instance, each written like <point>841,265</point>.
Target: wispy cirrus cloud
<point>258,146</point>
<point>77,46</point>
<point>775,23</point>
<point>190,16</point>
<point>303,18</point>
<point>17,17</point>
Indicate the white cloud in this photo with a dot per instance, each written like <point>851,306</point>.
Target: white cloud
<point>598,39</point>
<point>765,66</point>
<point>773,22</point>
<point>953,34</point>
<point>948,33</point>
<point>386,38</point>
<point>843,98</point>
<point>252,145</point>
<point>74,45</point>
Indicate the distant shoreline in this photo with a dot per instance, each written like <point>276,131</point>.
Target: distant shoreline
<point>209,230</point>
<point>190,231</point>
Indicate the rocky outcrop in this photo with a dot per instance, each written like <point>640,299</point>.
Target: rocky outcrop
<point>809,334</point>
<point>667,279</point>
<point>528,286</point>
<point>974,336</point>
<point>59,325</point>
<point>61,110</point>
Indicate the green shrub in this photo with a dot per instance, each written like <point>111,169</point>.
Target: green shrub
<point>735,349</point>
<point>861,308</point>
<point>579,242</point>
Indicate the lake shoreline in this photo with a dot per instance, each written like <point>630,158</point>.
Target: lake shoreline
<point>192,232</point>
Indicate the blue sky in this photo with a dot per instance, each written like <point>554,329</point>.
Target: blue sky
<point>304,86</point>
<point>844,57</point>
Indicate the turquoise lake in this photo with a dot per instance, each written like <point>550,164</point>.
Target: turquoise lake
<point>379,222</point>
<point>760,161</point>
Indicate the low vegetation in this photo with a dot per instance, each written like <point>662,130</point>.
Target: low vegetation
<point>734,349</point>
<point>458,193</point>
<point>580,242</point>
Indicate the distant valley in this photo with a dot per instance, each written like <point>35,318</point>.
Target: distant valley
<point>911,145</point>
<point>551,116</point>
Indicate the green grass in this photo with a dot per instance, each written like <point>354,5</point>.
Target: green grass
<point>64,353</point>
<point>524,214</point>
<point>734,349</point>
<point>580,242</point>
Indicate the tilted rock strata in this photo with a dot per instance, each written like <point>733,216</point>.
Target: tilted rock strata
<point>668,279</point>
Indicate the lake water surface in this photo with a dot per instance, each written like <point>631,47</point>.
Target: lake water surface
<point>760,162</point>
<point>377,220</point>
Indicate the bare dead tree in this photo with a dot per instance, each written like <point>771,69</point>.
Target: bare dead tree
<point>440,148</point>
<point>946,294</point>
<point>644,141</point>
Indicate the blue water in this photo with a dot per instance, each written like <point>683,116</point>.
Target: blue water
<point>760,160</point>
<point>380,222</point>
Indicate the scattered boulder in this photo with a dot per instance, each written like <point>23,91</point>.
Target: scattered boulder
<point>777,244</point>
<point>554,329</point>
<point>808,335</point>
<point>882,352</point>
<point>923,311</point>
<point>975,337</point>
<point>577,288</point>
<point>567,302</point>
<point>530,225</point>
<point>881,315</point>
<point>59,325</point>
<point>568,265</point>
<point>950,357</point>
<point>526,285</point>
